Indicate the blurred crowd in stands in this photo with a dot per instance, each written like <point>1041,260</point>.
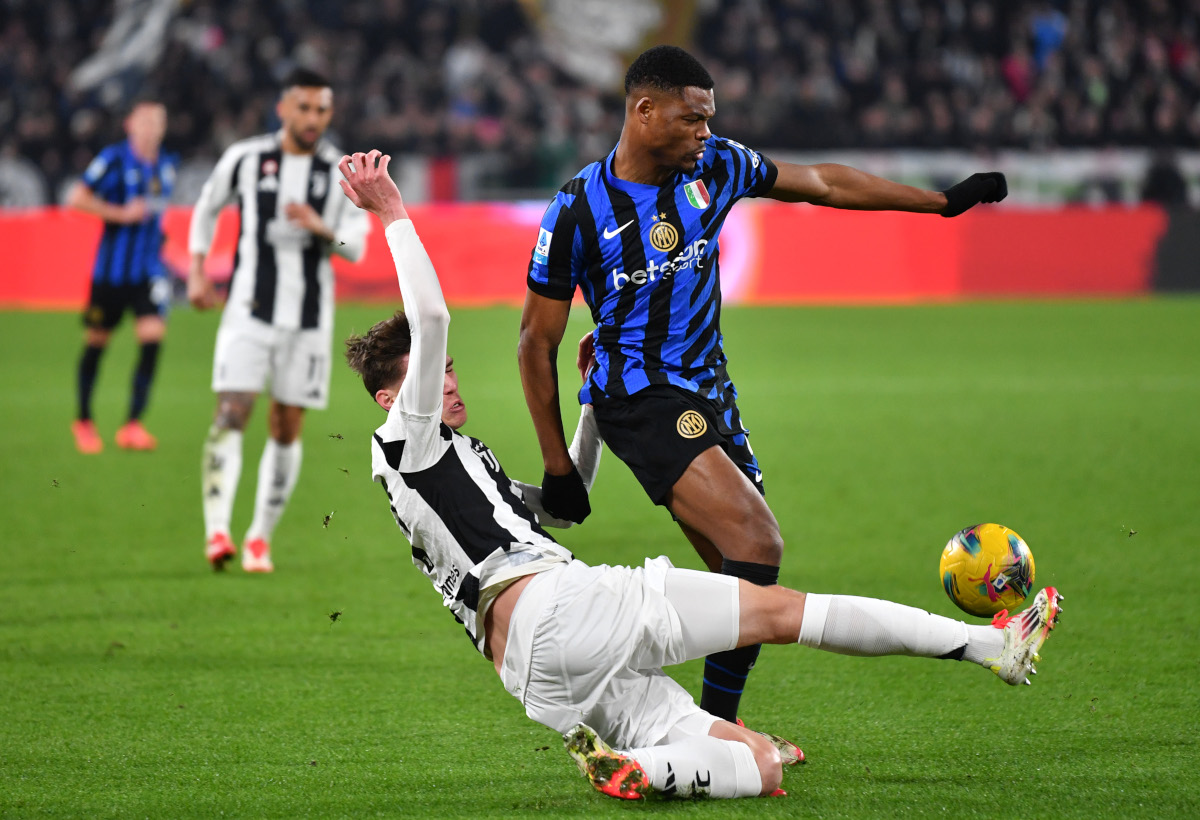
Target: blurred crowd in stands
<point>443,78</point>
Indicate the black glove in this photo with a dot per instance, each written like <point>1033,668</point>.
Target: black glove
<point>988,187</point>
<point>565,497</point>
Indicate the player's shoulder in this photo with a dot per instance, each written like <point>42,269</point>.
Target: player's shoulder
<point>328,152</point>
<point>724,145</point>
<point>257,144</point>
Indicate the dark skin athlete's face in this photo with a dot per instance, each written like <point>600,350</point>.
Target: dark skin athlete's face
<point>674,126</point>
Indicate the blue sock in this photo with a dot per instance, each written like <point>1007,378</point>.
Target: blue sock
<point>142,377</point>
<point>725,673</point>
<point>89,366</point>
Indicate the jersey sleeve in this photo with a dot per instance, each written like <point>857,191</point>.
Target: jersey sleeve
<point>217,192</point>
<point>428,321</point>
<point>101,173</point>
<point>755,172</point>
<point>556,265</point>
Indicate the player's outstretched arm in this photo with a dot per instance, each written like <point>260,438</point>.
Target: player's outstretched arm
<point>369,186</point>
<point>543,323</point>
<point>840,186</point>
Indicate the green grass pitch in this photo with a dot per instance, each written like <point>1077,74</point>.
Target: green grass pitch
<point>137,683</point>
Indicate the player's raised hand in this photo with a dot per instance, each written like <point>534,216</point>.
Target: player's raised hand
<point>986,187</point>
<point>369,186</point>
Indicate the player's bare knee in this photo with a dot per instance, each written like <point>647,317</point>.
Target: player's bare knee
<point>770,764</point>
<point>233,411</point>
<point>96,337</point>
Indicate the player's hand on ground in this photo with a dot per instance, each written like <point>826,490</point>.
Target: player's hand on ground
<point>134,211</point>
<point>305,216</point>
<point>585,358</point>
<point>370,187</point>
<point>986,187</point>
<point>200,290</point>
<point>565,497</point>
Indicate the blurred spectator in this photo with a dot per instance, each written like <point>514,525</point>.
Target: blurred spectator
<point>1164,183</point>
<point>482,77</point>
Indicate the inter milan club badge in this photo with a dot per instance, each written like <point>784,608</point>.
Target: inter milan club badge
<point>663,236</point>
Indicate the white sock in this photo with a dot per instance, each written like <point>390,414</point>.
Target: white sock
<point>220,471</point>
<point>850,625</point>
<point>277,473</point>
<point>701,765</point>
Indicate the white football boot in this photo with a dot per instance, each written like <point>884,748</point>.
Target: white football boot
<point>1024,635</point>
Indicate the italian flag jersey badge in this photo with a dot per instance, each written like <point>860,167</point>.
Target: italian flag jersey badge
<point>697,194</point>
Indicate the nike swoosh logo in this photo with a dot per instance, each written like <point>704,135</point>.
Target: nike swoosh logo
<point>610,234</point>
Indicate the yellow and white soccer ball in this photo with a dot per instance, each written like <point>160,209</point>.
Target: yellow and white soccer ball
<point>986,568</point>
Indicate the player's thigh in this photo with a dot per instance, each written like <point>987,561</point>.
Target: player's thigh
<point>716,499</point>
<point>707,607</point>
<point>106,304</point>
<point>302,369</point>
<point>150,300</point>
<point>242,357</point>
<point>642,708</point>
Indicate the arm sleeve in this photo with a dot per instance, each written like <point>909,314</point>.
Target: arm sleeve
<point>218,190</point>
<point>428,322</point>
<point>585,453</point>
<point>555,262</point>
<point>98,171</point>
<point>755,172</point>
<point>353,225</point>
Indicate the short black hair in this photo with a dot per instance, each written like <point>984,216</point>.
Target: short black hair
<point>666,68</point>
<point>143,99</point>
<point>304,78</point>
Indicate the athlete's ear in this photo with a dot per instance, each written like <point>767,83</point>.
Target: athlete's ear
<point>643,108</point>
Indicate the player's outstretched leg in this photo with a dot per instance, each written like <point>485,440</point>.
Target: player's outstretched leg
<point>1024,635</point>
<point>277,474</point>
<point>609,772</point>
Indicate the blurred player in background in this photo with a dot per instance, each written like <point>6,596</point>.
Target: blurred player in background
<point>278,320</point>
<point>637,234</point>
<point>582,647</point>
<point>127,185</point>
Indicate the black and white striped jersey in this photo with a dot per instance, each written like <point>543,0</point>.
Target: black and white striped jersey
<point>473,531</point>
<point>281,272</point>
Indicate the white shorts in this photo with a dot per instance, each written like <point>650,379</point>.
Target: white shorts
<point>587,645</point>
<point>249,354</point>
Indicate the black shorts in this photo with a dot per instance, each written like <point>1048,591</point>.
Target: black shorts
<point>108,302</point>
<point>660,430</point>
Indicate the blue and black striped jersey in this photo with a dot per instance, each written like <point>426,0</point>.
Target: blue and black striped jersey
<point>130,254</point>
<point>645,259</point>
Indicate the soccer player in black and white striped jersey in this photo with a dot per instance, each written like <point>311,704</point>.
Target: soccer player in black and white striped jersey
<point>582,647</point>
<point>278,320</point>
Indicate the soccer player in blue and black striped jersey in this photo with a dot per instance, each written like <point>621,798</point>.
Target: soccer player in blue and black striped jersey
<point>127,185</point>
<point>637,233</point>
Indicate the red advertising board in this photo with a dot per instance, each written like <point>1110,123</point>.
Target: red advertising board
<point>770,254</point>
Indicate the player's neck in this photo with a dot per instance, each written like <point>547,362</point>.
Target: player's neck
<point>633,165</point>
<point>146,152</point>
<point>291,146</point>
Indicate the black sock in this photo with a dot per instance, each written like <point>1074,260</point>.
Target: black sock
<point>142,378</point>
<point>725,673</point>
<point>89,366</point>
